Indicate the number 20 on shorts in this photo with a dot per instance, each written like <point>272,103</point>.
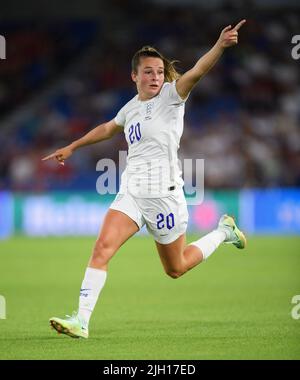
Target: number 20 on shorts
<point>162,221</point>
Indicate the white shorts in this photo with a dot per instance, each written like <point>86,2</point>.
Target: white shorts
<point>166,218</point>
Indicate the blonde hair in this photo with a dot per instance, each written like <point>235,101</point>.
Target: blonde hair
<point>170,71</point>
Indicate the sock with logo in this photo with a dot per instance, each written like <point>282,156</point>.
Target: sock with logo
<point>91,287</point>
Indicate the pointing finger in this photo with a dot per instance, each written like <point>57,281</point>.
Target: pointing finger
<point>48,157</point>
<point>239,25</point>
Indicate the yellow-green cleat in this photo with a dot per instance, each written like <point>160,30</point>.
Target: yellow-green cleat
<point>72,326</point>
<point>233,234</point>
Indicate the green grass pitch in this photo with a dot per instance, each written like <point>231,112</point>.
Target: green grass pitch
<point>237,305</point>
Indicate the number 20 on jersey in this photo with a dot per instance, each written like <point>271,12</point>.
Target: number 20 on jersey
<point>134,133</point>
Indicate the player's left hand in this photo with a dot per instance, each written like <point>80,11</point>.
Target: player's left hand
<point>60,155</point>
<point>229,35</point>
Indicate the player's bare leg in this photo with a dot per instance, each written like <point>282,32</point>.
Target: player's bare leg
<point>177,258</point>
<point>116,229</point>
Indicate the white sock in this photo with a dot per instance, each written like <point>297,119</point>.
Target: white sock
<point>210,242</point>
<point>91,287</point>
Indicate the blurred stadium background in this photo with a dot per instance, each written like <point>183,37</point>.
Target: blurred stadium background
<point>67,69</point>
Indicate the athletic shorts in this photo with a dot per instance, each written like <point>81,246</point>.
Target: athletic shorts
<point>165,218</point>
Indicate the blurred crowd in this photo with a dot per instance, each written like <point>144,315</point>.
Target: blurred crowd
<point>243,118</point>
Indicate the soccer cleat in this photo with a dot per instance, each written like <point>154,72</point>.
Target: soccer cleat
<point>72,326</point>
<point>233,234</point>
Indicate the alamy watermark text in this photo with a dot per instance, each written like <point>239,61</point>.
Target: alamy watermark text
<point>2,47</point>
<point>2,307</point>
<point>296,309</point>
<point>152,178</point>
<point>296,49</point>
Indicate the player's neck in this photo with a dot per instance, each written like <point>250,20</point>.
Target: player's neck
<point>145,98</point>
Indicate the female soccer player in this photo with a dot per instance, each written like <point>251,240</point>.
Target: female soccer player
<point>151,190</point>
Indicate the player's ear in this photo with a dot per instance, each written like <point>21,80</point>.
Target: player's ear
<point>133,76</point>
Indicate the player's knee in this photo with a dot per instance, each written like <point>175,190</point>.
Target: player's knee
<point>174,273</point>
<point>103,249</point>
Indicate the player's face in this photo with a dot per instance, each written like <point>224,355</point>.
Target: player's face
<point>149,77</point>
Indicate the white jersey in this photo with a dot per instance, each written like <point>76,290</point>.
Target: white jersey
<point>153,129</point>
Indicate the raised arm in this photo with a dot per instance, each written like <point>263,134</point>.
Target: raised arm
<point>101,132</point>
<point>228,37</point>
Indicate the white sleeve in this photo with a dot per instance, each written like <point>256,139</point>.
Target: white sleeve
<point>170,93</point>
<point>120,119</point>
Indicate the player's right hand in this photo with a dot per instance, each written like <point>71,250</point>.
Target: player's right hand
<point>60,155</point>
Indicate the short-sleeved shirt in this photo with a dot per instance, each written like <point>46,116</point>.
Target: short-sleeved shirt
<point>153,129</point>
